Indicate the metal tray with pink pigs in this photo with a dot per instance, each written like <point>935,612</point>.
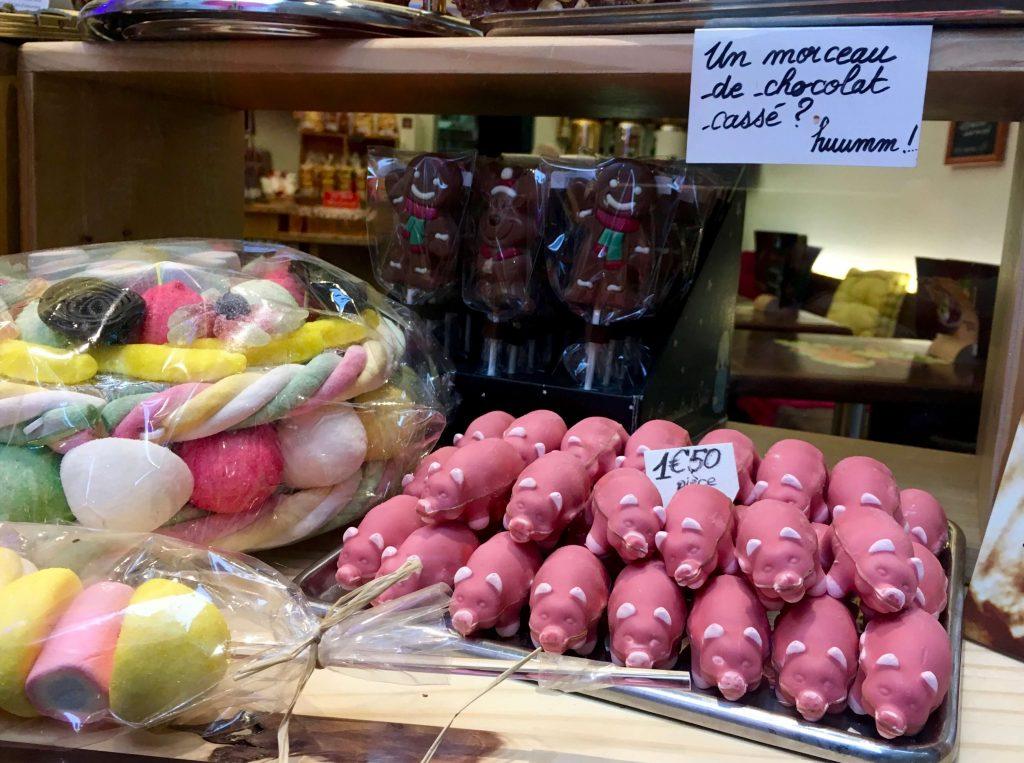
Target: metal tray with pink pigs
<point>759,715</point>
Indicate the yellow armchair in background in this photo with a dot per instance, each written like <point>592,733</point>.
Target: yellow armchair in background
<point>869,302</point>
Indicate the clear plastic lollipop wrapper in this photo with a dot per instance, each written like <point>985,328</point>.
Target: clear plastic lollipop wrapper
<point>417,205</point>
<point>613,245</point>
<point>507,218</point>
<point>230,394</point>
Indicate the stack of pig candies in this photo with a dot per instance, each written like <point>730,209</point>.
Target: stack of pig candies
<point>587,542</point>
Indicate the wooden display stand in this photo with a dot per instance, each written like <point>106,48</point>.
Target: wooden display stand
<point>128,141</point>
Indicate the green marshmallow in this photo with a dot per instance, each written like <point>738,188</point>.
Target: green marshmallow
<point>34,330</point>
<point>30,489</point>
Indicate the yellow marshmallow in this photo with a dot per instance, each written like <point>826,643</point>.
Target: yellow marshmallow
<point>29,609</point>
<point>164,363</point>
<point>44,365</point>
<point>172,649</point>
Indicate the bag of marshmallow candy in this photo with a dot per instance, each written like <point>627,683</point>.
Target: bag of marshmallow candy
<point>104,629</point>
<point>225,393</point>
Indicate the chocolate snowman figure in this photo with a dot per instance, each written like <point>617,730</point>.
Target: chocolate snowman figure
<point>426,197</point>
<point>613,260</point>
<point>505,236</point>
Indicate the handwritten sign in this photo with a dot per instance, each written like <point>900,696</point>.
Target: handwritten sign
<point>808,95</point>
<point>674,468</point>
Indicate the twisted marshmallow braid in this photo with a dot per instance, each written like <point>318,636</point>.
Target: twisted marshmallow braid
<point>64,418</point>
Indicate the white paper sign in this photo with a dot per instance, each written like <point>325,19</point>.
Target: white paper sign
<point>808,95</point>
<point>674,468</point>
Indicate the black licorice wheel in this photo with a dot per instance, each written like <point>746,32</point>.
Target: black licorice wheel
<point>92,310</point>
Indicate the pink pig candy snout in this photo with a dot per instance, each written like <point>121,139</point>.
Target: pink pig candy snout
<point>464,622</point>
<point>520,529</point>
<point>348,576</point>
<point>553,639</point>
<point>890,724</point>
<point>811,705</point>
<point>732,685</point>
<point>639,660</point>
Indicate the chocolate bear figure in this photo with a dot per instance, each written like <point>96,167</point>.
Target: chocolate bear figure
<point>426,197</point>
<point>506,232</point>
<point>612,264</point>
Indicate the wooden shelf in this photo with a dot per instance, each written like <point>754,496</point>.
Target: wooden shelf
<point>326,239</point>
<point>977,74</point>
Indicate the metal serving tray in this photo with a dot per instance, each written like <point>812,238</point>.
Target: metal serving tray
<point>687,16</point>
<point>262,19</point>
<point>759,716</point>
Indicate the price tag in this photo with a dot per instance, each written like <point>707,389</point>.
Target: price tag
<point>808,95</point>
<point>674,468</point>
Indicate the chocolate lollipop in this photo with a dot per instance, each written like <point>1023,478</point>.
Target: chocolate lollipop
<point>92,311</point>
<point>427,197</point>
<point>612,265</point>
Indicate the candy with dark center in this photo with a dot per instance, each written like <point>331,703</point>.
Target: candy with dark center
<point>232,306</point>
<point>92,310</point>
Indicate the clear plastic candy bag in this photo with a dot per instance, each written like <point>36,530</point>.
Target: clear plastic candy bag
<point>417,204</point>
<point>104,629</point>
<point>231,394</point>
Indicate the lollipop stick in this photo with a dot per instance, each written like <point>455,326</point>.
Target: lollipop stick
<point>513,357</point>
<point>492,356</point>
<point>588,380</point>
<point>609,361</point>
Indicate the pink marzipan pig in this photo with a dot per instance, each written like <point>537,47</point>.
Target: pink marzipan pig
<point>698,537</point>
<point>905,667</point>
<point>569,596</point>
<point>729,637</point>
<point>535,434</point>
<point>596,442</point>
<point>933,586</point>
<point>442,550</point>
<point>924,518</point>
<point>378,536</point>
<point>747,460</point>
<point>777,549</point>
<point>646,617</point>
<point>492,588</point>
<point>656,434</point>
<point>814,654</point>
<point>548,495</point>
<point>486,426</point>
<point>862,481</point>
<point>473,486</point>
<point>874,558</point>
<point>794,471</point>
<point>627,514</point>
<point>412,483</point>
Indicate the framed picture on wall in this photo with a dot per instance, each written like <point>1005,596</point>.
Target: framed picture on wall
<point>976,143</point>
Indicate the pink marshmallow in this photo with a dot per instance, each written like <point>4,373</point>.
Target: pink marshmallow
<point>70,679</point>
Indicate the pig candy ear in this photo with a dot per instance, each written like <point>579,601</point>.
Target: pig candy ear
<point>463,573</point>
<point>929,678</point>
<point>625,610</point>
<point>494,580</point>
<point>528,484</point>
<point>920,534</point>
<point>659,538</point>
<point>791,481</point>
<point>662,614</point>
<point>542,589</point>
<point>714,631</point>
<point>641,449</point>
<point>539,448</point>
<point>629,500</point>
<point>458,436</point>
<point>620,460</point>
<point>516,432</point>
<point>837,654</point>
<point>918,567</point>
<point>556,500</point>
<point>577,593</point>
<point>789,532</point>
<point>457,476</point>
<point>478,435</point>
<point>692,524</point>
<point>434,466</point>
<point>796,647</point>
<point>407,479</point>
<point>349,534</point>
<point>659,512</point>
<point>881,546</point>
<point>888,660</point>
<point>870,499</point>
<point>574,440</point>
<point>752,545</point>
<point>759,487</point>
<point>378,540</point>
<point>751,633</point>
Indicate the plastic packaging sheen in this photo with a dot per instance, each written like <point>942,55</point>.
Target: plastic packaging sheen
<point>140,630</point>
<point>225,393</point>
<point>417,202</point>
